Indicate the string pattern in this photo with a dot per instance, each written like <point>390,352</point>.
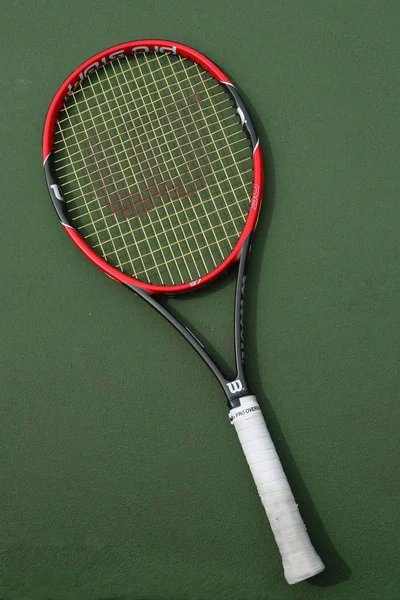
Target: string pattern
<point>155,167</point>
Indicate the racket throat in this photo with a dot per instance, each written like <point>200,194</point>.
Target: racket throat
<point>235,390</point>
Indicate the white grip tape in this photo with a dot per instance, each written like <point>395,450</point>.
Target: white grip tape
<point>300,561</point>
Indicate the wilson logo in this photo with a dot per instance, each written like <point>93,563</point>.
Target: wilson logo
<point>114,56</point>
<point>235,386</point>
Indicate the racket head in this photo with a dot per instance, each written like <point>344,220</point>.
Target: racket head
<point>125,71</point>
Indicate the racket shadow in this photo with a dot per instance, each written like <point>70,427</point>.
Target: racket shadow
<point>336,569</point>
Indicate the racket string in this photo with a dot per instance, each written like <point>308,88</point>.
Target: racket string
<point>135,179</point>
<point>160,146</point>
<point>164,182</point>
<point>91,118</point>
<point>210,172</point>
<point>224,197</point>
<point>198,170</point>
<point>115,248</point>
<point>98,231</point>
<point>208,244</point>
<point>75,94</point>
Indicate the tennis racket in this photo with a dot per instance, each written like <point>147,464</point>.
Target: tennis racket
<point>155,171</point>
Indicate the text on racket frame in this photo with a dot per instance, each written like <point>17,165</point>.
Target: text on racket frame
<point>114,56</point>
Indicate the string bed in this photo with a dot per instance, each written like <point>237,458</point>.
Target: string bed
<point>155,167</point>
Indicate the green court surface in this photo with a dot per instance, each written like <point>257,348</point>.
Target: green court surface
<point>120,476</point>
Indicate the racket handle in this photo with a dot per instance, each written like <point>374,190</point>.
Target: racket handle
<point>300,560</point>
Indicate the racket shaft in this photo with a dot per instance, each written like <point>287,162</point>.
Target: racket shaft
<point>300,560</point>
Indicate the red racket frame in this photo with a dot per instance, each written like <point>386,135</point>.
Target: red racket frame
<point>80,74</point>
